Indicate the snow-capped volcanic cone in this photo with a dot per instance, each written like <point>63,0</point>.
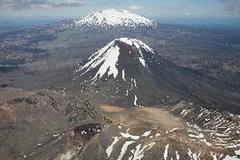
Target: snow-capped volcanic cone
<point>128,72</point>
<point>113,18</point>
<point>127,69</point>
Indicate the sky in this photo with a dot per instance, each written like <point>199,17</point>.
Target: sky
<point>147,8</point>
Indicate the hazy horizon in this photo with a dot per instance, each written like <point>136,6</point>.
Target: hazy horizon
<point>204,12</point>
<point>26,21</point>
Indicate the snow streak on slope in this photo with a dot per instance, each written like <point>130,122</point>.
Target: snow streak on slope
<point>134,141</point>
<point>109,65</point>
<point>112,17</point>
<point>110,148</point>
<point>107,57</point>
<point>166,152</point>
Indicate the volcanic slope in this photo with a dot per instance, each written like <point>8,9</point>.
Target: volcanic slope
<point>127,72</point>
<point>153,133</point>
<point>51,125</point>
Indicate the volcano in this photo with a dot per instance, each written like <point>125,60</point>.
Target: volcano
<point>112,18</point>
<point>127,72</point>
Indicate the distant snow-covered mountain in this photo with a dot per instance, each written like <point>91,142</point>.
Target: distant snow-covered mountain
<point>112,18</point>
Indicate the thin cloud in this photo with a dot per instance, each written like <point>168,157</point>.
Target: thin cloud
<point>135,7</point>
<point>232,6</point>
<point>192,13</point>
<point>26,4</point>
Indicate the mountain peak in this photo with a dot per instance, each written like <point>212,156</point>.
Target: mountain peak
<point>107,58</point>
<point>125,67</point>
<point>113,17</point>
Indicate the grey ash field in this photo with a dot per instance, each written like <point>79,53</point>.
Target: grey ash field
<point>115,85</point>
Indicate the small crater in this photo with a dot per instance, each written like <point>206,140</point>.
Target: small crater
<point>86,132</point>
<point>80,135</point>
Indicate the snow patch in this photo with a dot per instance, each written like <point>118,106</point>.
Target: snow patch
<point>138,153</point>
<point>142,61</point>
<point>157,135</point>
<point>206,142</point>
<point>135,83</point>
<point>165,155</point>
<point>214,155</point>
<point>109,63</point>
<point>127,135</point>
<point>123,75</point>
<point>196,136</point>
<point>110,148</point>
<point>146,134</point>
<point>56,135</point>
<point>193,156</point>
<point>177,155</point>
<point>83,133</point>
<point>135,100</point>
<point>237,152</point>
<point>184,112</point>
<point>138,44</point>
<point>230,158</point>
<point>124,149</point>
